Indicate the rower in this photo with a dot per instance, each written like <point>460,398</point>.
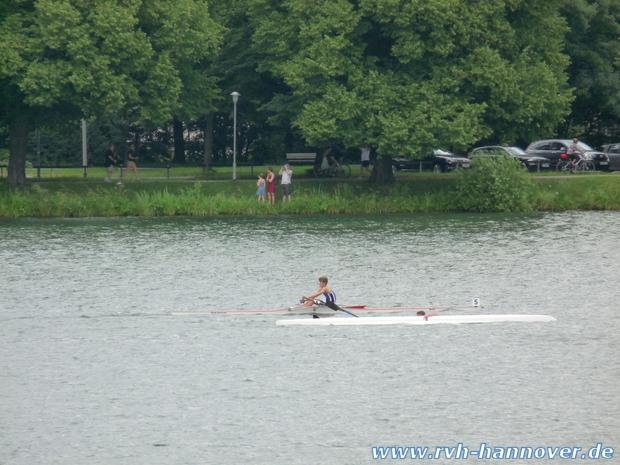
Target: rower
<point>423,313</point>
<point>328,294</point>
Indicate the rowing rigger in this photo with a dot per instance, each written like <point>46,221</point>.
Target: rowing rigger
<point>321,310</point>
<point>416,320</point>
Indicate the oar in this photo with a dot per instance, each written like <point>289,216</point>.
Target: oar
<point>335,307</point>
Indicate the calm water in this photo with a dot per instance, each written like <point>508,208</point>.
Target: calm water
<point>95,370</point>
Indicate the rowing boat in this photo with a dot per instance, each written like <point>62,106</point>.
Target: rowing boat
<point>321,310</point>
<point>415,320</point>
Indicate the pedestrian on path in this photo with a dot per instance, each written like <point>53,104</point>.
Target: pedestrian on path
<point>365,160</point>
<point>110,162</point>
<point>132,158</point>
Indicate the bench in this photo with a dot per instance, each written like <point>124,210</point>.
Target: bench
<point>305,158</point>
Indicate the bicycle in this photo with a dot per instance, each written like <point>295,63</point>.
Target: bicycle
<point>583,164</point>
<point>340,171</point>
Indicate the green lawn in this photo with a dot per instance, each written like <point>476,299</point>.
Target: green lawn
<point>159,173</point>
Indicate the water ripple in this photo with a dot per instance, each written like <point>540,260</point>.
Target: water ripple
<point>94,369</point>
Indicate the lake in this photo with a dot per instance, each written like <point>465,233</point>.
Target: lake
<point>94,369</point>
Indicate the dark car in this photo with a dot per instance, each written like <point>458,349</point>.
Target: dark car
<point>553,148</point>
<point>531,162</point>
<point>613,152</point>
<point>438,161</point>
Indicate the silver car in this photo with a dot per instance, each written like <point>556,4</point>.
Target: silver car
<point>553,148</point>
<point>613,152</point>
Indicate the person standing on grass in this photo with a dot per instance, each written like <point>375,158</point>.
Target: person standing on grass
<point>260,192</point>
<point>109,162</point>
<point>271,186</point>
<point>286,172</point>
<point>365,160</point>
<point>131,162</point>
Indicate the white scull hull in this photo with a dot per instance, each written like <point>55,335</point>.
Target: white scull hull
<point>415,320</point>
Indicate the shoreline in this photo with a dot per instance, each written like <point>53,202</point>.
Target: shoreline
<point>58,199</point>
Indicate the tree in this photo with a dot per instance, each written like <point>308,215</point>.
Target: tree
<point>190,35</point>
<point>264,131</point>
<point>593,45</point>
<point>407,77</point>
<point>96,57</point>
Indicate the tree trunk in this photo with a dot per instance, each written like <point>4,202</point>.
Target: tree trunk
<point>18,150</point>
<point>382,172</point>
<point>208,141</point>
<point>179,142</point>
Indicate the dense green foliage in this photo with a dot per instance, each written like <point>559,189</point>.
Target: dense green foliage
<point>404,76</point>
<point>102,56</point>
<point>495,184</point>
<point>594,48</point>
<point>75,58</point>
<point>408,77</point>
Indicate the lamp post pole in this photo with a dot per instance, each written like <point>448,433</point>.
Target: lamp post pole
<point>235,99</point>
<point>37,135</point>
<point>84,146</point>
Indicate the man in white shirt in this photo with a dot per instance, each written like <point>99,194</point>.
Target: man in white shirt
<point>286,172</point>
<point>365,160</point>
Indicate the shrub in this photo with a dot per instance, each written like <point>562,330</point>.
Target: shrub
<point>494,184</point>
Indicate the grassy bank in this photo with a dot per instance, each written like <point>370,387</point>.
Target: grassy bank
<point>424,194</point>
<point>577,193</point>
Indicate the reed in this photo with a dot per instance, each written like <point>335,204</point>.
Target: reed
<point>335,198</point>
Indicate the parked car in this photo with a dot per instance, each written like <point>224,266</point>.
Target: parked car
<point>440,160</point>
<point>553,148</point>
<point>531,162</point>
<point>613,152</point>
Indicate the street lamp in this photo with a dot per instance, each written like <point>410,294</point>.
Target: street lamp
<point>84,145</point>
<point>235,98</point>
